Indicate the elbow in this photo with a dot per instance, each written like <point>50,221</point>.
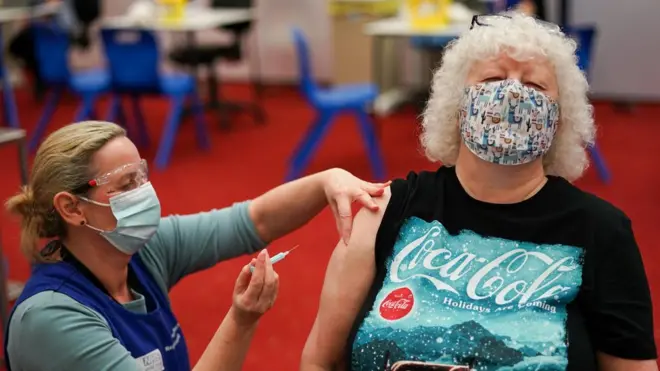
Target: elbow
<point>316,356</point>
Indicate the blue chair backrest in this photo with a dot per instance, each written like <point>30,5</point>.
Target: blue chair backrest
<point>585,37</point>
<point>133,58</point>
<point>307,83</point>
<point>51,47</point>
<point>495,6</point>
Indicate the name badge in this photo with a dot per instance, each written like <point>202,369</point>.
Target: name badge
<point>152,361</point>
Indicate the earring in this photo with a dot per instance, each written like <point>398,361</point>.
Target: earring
<point>82,222</point>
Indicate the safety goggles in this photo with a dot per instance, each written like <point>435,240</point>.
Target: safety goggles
<point>137,173</point>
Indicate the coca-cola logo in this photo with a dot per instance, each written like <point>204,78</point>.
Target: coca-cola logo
<point>432,258</point>
<point>397,304</point>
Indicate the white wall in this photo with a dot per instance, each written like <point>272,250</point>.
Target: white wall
<point>627,50</point>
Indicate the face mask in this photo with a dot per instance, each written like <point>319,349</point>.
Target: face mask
<point>138,216</point>
<point>507,123</point>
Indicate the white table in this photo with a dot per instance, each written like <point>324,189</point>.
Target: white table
<point>393,27</point>
<point>194,20</point>
<point>198,19</point>
<point>23,13</point>
<point>385,69</point>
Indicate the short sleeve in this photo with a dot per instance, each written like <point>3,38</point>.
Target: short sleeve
<point>51,331</point>
<point>620,313</point>
<point>389,226</point>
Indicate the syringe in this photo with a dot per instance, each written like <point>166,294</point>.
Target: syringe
<point>274,259</point>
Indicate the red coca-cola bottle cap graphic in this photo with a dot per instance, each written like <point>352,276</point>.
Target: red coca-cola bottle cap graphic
<point>397,304</point>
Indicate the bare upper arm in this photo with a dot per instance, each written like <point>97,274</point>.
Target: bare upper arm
<point>607,362</point>
<point>348,278</point>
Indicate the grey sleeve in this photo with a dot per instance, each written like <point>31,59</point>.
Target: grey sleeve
<point>51,331</point>
<point>185,244</point>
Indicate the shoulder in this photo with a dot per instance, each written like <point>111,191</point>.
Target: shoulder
<point>418,185</point>
<point>415,186</point>
<point>599,212</point>
<point>47,318</point>
<point>48,309</point>
<point>603,212</point>
<point>367,221</point>
<point>52,331</point>
<point>603,224</point>
<point>423,178</point>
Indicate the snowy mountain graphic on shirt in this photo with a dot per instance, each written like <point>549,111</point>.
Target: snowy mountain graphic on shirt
<point>495,304</point>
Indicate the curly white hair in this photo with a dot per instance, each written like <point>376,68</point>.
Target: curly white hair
<point>521,37</point>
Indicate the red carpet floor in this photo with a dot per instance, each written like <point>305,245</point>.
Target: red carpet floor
<point>250,159</point>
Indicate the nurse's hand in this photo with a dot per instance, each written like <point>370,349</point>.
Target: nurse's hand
<point>342,189</point>
<point>255,292</point>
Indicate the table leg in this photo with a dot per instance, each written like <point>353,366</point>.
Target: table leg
<point>213,99</point>
<point>225,107</point>
<point>4,302</point>
<point>254,64</point>
<point>23,162</point>
<point>391,64</point>
<point>376,61</point>
<point>387,72</point>
<point>9,103</point>
<point>191,40</point>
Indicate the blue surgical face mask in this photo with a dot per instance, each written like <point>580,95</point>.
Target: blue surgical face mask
<point>507,123</point>
<point>138,215</point>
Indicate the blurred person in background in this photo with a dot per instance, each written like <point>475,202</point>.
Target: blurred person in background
<point>75,16</point>
<point>496,261</point>
<point>97,298</point>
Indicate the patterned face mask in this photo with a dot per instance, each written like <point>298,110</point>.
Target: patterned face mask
<point>507,123</point>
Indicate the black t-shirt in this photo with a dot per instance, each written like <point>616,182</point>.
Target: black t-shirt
<point>538,285</point>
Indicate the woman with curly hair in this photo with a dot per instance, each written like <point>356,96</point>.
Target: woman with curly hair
<point>494,262</point>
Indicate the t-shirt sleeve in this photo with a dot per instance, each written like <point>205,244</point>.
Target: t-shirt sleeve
<point>185,244</point>
<point>51,331</point>
<point>621,318</point>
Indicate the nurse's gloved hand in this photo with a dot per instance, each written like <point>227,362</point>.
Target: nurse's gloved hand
<point>255,292</point>
<point>342,189</point>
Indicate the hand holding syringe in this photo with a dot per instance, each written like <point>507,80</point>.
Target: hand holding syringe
<point>277,257</point>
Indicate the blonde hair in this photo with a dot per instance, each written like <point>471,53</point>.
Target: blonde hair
<point>521,36</point>
<point>62,163</point>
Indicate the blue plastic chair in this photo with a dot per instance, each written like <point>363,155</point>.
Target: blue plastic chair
<point>425,42</point>
<point>134,60</point>
<point>329,103</point>
<point>10,114</point>
<point>585,36</point>
<point>52,53</point>
<point>508,4</point>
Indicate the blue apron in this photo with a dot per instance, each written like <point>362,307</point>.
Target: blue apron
<point>148,337</point>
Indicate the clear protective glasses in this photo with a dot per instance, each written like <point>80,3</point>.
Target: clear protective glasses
<point>124,178</point>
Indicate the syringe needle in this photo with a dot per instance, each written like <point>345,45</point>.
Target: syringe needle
<point>293,248</point>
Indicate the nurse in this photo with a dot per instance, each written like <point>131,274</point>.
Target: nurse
<point>98,295</point>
